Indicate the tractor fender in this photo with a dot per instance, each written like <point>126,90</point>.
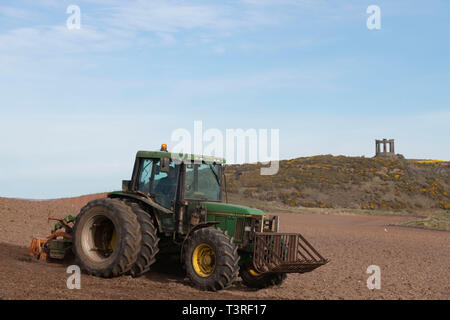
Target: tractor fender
<point>144,201</point>
<point>195,228</point>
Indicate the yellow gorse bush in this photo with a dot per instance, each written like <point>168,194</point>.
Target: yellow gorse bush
<point>432,161</point>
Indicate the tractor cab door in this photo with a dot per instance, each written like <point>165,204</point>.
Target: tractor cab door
<point>203,182</point>
<point>161,186</point>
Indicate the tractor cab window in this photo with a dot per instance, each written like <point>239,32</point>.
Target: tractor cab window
<point>145,175</point>
<point>203,182</point>
<point>164,185</point>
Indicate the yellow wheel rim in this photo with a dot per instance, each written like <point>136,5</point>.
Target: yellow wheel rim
<point>204,260</point>
<point>253,272</point>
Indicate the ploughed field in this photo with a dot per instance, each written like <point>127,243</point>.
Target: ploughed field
<point>414,263</point>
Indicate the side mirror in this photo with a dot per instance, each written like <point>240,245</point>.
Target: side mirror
<point>165,165</point>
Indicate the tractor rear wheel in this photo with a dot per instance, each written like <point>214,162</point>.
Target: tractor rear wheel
<point>211,259</point>
<point>252,279</point>
<point>149,245</point>
<point>106,238</point>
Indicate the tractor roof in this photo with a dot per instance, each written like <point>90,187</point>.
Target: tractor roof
<point>190,157</point>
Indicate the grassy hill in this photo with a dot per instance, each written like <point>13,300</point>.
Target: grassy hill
<point>346,182</point>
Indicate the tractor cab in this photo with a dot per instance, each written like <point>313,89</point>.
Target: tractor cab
<point>172,180</point>
<point>177,186</point>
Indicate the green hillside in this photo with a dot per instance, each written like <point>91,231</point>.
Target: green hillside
<point>346,182</point>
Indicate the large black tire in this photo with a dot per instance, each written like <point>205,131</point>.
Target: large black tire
<point>224,267</point>
<point>260,281</point>
<point>149,244</point>
<point>106,238</point>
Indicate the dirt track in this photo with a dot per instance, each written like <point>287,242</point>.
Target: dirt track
<point>415,263</point>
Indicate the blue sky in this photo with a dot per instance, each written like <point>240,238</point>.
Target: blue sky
<point>76,104</point>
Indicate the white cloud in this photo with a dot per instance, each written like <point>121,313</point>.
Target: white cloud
<point>58,40</point>
<point>172,17</point>
<point>163,16</point>
<point>13,12</point>
<point>120,25</point>
<point>305,3</point>
<point>111,25</point>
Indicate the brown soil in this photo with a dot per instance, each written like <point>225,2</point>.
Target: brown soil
<point>415,263</point>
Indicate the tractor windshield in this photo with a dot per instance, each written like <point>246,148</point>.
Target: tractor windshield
<point>203,182</point>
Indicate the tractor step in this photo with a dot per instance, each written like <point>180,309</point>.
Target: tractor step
<point>285,253</point>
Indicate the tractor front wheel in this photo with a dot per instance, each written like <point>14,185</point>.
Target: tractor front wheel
<point>252,279</point>
<point>211,259</point>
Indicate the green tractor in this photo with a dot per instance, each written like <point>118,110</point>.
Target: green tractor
<point>173,204</point>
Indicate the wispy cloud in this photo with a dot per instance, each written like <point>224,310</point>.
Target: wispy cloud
<point>166,16</point>
<point>54,38</point>
<point>111,25</point>
<point>13,12</point>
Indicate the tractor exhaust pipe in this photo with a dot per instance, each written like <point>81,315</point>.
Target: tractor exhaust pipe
<point>180,219</point>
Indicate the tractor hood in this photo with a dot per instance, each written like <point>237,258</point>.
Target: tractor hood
<point>221,207</point>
